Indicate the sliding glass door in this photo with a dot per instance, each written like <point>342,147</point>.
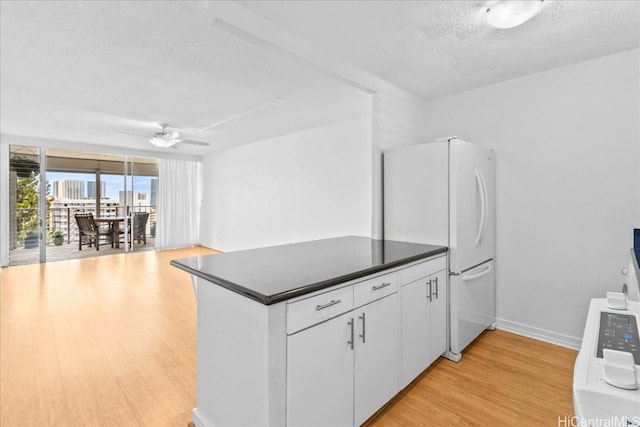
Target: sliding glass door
<point>27,205</point>
<point>141,179</point>
<point>48,187</point>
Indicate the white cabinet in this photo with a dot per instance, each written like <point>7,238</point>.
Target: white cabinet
<point>438,316</point>
<point>342,370</point>
<point>415,331</point>
<point>376,356</point>
<point>320,374</point>
<point>424,317</point>
<point>327,358</point>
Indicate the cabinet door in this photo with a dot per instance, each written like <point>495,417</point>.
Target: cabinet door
<point>415,330</point>
<point>376,363</point>
<point>320,374</point>
<point>438,316</point>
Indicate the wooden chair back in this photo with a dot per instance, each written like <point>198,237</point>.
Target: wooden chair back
<point>86,223</point>
<point>140,226</point>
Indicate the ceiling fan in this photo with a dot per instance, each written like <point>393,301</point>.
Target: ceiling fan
<point>168,139</point>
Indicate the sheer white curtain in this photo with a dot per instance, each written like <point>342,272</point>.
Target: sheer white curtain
<point>178,209</point>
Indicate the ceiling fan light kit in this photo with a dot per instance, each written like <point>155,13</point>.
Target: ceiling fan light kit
<point>163,142</point>
<point>503,14</point>
<point>164,139</point>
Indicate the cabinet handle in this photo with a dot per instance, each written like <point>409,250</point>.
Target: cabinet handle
<point>435,279</point>
<point>329,304</point>
<point>363,328</point>
<point>429,295</point>
<point>378,287</point>
<point>350,323</point>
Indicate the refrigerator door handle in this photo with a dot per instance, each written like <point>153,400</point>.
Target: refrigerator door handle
<point>486,201</point>
<point>483,206</point>
<point>477,275</point>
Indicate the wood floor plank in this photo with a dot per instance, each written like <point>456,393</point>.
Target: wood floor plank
<point>81,402</point>
<point>111,341</point>
<point>143,403</point>
<point>502,380</point>
<point>5,331</point>
<point>18,393</point>
<point>51,406</point>
<point>112,402</point>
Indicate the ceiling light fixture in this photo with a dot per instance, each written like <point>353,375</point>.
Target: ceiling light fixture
<point>163,142</point>
<point>510,13</point>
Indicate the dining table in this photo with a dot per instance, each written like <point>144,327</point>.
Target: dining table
<point>114,226</point>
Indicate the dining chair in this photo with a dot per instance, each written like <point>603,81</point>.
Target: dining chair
<point>90,232</point>
<point>140,226</point>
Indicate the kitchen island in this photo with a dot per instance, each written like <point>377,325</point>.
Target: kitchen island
<point>312,333</point>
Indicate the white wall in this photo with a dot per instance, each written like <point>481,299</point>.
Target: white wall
<point>309,185</point>
<point>567,145</point>
<point>398,119</point>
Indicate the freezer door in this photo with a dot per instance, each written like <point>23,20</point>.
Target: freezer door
<point>471,205</point>
<point>472,305</point>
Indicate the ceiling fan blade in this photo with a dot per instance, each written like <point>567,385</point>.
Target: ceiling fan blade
<point>276,100</point>
<point>167,137</point>
<point>135,134</point>
<point>204,144</point>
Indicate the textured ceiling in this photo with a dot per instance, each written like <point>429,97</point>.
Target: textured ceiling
<point>434,48</point>
<point>87,70</point>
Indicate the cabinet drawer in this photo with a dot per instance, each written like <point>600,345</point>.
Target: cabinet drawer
<point>307,312</point>
<point>372,289</point>
<point>424,269</point>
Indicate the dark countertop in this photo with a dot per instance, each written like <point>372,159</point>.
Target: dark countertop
<point>278,273</point>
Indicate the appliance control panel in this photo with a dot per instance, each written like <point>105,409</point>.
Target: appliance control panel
<point>619,332</point>
<point>606,375</point>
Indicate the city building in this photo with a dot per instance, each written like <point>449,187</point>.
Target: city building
<point>91,189</point>
<point>133,199</point>
<point>69,189</point>
<point>154,191</point>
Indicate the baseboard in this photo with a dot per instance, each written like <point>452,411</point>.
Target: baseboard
<point>195,419</point>
<point>208,247</point>
<point>539,334</point>
<point>198,420</point>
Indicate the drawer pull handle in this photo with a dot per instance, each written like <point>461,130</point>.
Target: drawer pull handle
<point>384,285</point>
<point>329,304</point>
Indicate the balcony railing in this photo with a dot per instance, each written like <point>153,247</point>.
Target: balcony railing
<point>24,229</point>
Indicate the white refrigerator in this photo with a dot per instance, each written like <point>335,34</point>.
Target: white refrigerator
<point>442,193</point>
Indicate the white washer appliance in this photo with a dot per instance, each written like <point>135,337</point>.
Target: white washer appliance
<point>606,375</point>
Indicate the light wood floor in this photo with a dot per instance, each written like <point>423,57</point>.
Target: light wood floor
<point>106,341</point>
<point>503,379</point>
<point>110,341</point>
